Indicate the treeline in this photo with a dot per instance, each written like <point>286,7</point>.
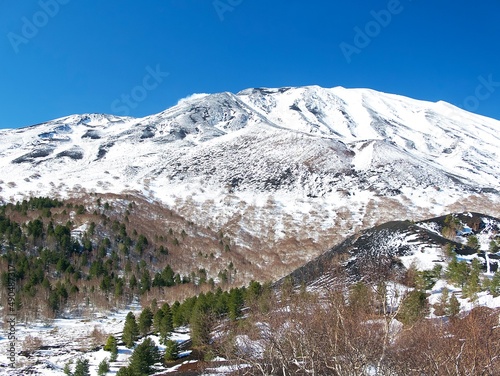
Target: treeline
<point>60,265</point>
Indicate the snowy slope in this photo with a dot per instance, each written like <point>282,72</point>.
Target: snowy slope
<point>461,141</point>
<point>266,161</point>
<point>65,340</point>
<point>393,247</point>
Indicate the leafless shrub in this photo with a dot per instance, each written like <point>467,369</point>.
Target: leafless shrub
<point>32,343</point>
<point>308,334</point>
<point>97,337</point>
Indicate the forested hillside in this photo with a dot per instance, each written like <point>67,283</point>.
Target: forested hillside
<point>71,258</point>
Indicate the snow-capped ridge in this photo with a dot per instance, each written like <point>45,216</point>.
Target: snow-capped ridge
<point>331,148</point>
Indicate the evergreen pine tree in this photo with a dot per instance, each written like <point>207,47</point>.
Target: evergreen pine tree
<point>187,308</point>
<point>125,371</point>
<point>114,354</point>
<point>177,317</point>
<point>111,344</point>
<point>413,307</point>
<point>472,284</point>
<point>133,282</point>
<point>453,308</point>
<point>103,367</point>
<point>235,303</point>
<point>168,276</point>
<point>157,320</point>
<point>167,311</point>
<point>200,323</point>
<point>221,304</point>
<point>494,286</point>
<point>473,242</point>
<point>441,307</point>
<point>145,321</point>
<point>82,368</point>
<point>67,369</point>
<point>166,324</point>
<point>144,357</point>
<point>130,330</point>
<point>493,248</point>
<point>448,250</point>
<point>171,351</point>
<point>457,271</point>
<point>145,284</point>
<point>254,291</point>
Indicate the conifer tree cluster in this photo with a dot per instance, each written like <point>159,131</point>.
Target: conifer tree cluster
<point>200,313</point>
<point>108,264</point>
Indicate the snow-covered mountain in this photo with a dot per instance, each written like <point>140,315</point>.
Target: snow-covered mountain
<point>290,163</point>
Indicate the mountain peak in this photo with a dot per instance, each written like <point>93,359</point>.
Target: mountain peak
<point>267,152</point>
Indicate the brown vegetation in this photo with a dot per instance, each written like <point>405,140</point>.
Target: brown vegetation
<point>305,334</point>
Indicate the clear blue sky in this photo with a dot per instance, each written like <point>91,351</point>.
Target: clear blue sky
<point>75,56</point>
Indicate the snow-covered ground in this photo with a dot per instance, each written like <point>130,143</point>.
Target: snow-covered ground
<point>65,340</point>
